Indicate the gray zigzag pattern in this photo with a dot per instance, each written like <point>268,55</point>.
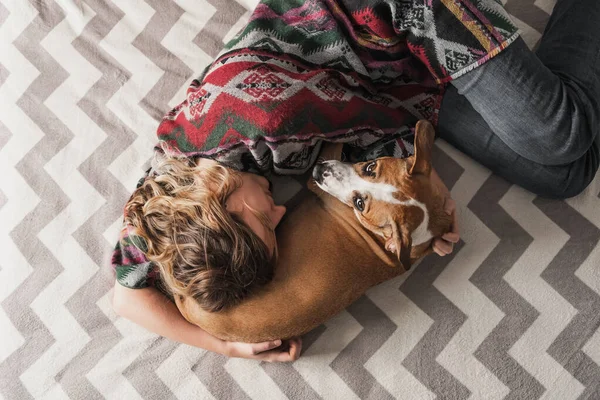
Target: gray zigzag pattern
<point>421,361</point>
<point>528,12</point>
<point>519,314</point>
<point>149,43</point>
<point>119,136</point>
<point>287,377</point>
<point>210,39</point>
<point>211,372</point>
<point>53,200</point>
<point>142,371</point>
<point>349,364</point>
<point>3,71</point>
<point>4,13</point>
<point>447,319</point>
<point>5,136</point>
<point>103,337</point>
<point>82,305</point>
<point>560,273</point>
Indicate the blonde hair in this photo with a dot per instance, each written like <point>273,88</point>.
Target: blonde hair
<point>202,250</point>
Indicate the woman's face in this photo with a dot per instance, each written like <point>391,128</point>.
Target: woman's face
<point>255,194</point>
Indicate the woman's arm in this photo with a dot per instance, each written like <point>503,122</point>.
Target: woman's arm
<point>152,310</point>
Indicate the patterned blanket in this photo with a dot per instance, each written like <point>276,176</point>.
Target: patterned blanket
<point>352,71</point>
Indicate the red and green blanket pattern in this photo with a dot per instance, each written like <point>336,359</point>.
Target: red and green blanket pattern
<point>337,70</point>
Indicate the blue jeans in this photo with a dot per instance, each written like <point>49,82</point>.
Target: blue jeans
<point>533,118</point>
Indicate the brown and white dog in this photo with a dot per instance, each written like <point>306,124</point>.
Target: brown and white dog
<point>367,223</point>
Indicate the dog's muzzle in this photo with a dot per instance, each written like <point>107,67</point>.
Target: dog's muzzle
<point>321,171</point>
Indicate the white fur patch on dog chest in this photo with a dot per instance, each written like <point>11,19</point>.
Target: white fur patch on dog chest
<point>422,233</point>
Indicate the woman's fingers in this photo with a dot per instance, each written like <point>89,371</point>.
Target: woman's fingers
<point>452,237</point>
<point>295,348</point>
<point>258,348</point>
<point>449,205</point>
<point>442,247</point>
<point>291,352</point>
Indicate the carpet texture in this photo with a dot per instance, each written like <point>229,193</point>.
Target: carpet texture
<point>512,314</point>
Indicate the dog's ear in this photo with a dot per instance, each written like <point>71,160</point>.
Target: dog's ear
<point>400,243</point>
<point>424,136</point>
<point>331,151</point>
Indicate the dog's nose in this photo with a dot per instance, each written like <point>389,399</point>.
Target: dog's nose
<point>321,171</point>
<point>317,173</point>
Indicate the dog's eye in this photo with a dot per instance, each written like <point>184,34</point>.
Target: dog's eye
<point>359,204</point>
<point>370,167</point>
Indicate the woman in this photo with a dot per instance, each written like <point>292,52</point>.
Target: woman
<point>533,118</point>
<point>375,69</point>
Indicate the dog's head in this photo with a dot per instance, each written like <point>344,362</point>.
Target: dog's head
<point>392,197</point>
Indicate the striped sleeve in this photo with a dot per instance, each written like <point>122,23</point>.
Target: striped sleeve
<point>132,269</point>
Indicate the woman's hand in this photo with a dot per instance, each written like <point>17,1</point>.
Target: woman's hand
<point>274,351</point>
<point>444,245</point>
<point>152,310</point>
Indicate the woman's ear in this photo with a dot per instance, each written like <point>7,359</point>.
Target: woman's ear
<point>234,204</point>
<point>424,136</point>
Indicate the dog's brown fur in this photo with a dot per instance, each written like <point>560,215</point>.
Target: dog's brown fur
<point>327,258</point>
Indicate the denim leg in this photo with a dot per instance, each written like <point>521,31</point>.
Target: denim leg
<point>462,126</point>
<point>545,106</point>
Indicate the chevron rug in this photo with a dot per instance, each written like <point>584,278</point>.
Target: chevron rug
<point>512,314</point>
